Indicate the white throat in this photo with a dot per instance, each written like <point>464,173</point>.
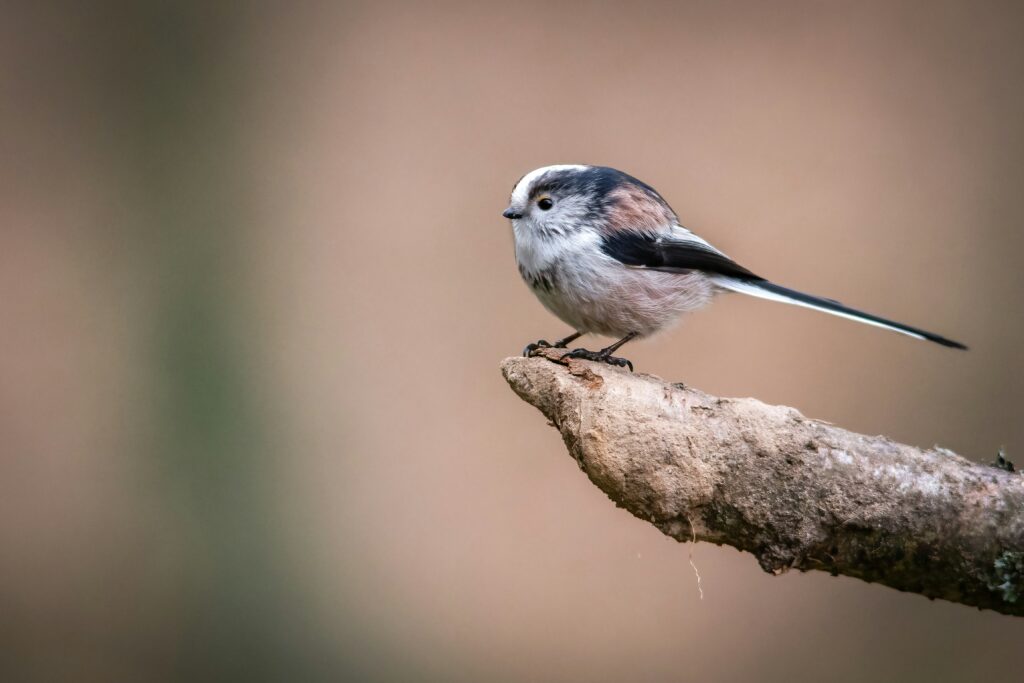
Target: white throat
<point>536,253</point>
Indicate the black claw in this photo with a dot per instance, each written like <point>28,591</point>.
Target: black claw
<point>539,344</point>
<point>1002,463</point>
<point>603,356</point>
<point>545,344</point>
<point>582,353</point>
<point>621,362</point>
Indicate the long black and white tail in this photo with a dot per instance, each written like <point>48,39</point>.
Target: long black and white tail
<point>773,292</point>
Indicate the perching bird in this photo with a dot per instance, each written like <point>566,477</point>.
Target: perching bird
<point>606,254</point>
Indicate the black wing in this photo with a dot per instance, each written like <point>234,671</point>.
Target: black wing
<point>672,254</point>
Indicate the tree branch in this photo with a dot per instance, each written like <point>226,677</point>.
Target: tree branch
<point>793,491</point>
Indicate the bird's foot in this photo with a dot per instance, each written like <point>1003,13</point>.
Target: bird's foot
<point>532,349</point>
<point>1002,462</point>
<point>602,356</point>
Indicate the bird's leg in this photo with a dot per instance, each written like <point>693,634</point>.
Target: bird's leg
<point>605,354</point>
<point>542,344</point>
<point>562,343</point>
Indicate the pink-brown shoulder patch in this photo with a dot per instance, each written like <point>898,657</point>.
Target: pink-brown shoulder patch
<point>634,208</point>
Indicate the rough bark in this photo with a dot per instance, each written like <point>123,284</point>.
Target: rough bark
<point>794,492</point>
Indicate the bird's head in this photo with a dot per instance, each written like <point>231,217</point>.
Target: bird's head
<point>554,201</point>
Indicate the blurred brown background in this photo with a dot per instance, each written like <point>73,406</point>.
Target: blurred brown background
<point>254,289</point>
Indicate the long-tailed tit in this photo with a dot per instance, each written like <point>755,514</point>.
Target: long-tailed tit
<point>606,254</point>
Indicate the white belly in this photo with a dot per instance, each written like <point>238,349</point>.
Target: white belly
<point>594,293</point>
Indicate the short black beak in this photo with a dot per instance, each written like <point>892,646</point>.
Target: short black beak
<point>511,213</point>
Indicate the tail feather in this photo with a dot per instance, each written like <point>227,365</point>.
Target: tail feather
<point>773,292</point>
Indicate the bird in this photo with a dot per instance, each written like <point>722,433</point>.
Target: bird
<point>605,253</point>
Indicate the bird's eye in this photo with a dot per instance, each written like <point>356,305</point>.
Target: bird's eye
<point>545,203</point>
